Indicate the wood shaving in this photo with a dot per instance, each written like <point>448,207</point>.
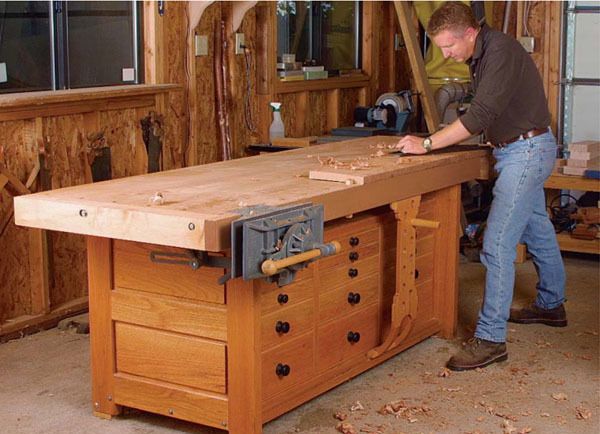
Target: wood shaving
<point>356,406</point>
<point>400,410</point>
<point>156,199</point>
<point>445,372</point>
<point>507,427</point>
<point>378,154</point>
<point>340,416</point>
<point>452,389</point>
<point>582,413</point>
<point>559,396</point>
<point>359,163</point>
<point>345,428</point>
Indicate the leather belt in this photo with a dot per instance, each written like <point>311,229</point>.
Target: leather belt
<point>528,135</point>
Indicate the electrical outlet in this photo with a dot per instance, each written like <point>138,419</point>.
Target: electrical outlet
<point>3,74</point>
<point>128,74</point>
<point>239,42</point>
<point>201,44</point>
<point>528,43</point>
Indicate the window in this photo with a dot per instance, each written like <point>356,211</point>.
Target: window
<point>47,45</point>
<point>326,33</point>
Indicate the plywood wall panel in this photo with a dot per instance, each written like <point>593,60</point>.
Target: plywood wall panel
<point>289,109</point>
<point>349,100</point>
<point>177,71</point>
<point>316,114</point>
<point>18,153</point>
<point>122,131</point>
<point>208,146</point>
<point>242,78</point>
<point>15,284</point>
<point>68,277</point>
<point>64,145</point>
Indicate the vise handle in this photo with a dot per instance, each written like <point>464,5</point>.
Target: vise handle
<point>271,267</point>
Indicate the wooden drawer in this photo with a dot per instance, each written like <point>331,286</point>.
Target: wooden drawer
<point>352,240</point>
<point>334,277</point>
<point>273,298</point>
<point>349,256</point>
<point>133,269</point>
<point>297,355</point>
<point>424,268</point>
<point>287,323</point>
<point>333,345</point>
<point>341,301</point>
<point>162,312</point>
<point>170,357</point>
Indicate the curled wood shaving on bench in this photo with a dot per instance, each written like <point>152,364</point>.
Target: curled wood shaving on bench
<point>356,164</point>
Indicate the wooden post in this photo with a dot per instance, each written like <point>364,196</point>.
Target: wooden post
<point>445,278</point>
<point>243,358</point>
<point>102,335</point>
<point>404,12</point>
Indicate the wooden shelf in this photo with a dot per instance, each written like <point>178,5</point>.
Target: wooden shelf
<point>27,105</point>
<point>559,181</point>
<point>569,244</point>
<point>353,81</point>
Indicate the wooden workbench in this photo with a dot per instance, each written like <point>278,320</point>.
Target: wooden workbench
<point>170,340</point>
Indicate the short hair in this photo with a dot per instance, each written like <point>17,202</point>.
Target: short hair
<point>453,16</point>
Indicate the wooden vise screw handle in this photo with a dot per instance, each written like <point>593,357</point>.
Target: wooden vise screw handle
<point>270,267</point>
<point>425,223</point>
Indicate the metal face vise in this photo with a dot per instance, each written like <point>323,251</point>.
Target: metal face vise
<point>277,244</point>
<point>271,243</point>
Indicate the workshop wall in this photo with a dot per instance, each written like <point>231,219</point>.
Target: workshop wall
<point>307,109</point>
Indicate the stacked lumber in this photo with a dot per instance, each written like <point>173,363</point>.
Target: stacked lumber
<point>582,156</point>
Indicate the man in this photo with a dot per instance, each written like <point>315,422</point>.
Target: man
<point>510,107</point>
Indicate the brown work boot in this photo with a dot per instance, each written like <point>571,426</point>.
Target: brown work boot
<point>533,314</point>
<point>477,353</point>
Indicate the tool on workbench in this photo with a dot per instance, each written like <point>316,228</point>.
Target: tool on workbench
<point>278,243</point>
<point>389,115</point>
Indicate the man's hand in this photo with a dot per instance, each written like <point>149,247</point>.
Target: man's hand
<point>411,145</point>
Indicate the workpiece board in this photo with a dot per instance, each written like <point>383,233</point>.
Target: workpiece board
<point>193,207</point>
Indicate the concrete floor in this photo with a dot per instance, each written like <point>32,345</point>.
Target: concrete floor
<point>550,384</point>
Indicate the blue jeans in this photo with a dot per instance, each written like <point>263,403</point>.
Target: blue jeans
<point>518,214</point>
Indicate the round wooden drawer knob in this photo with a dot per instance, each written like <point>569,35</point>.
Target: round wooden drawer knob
<point>282,298</point>
<point>352,272</point>
<point>353,256</point>
<point>282,370</point>
<point>353,298</point>
<point>282,327</point>
<point>353,337</point>
<point>354,241</point>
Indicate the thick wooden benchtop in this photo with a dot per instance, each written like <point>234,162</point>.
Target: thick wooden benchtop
<point>201,201</point>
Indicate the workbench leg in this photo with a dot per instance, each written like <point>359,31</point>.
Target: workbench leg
<point>445,277</point>
<point>243,358</point>
<point>102,336</point>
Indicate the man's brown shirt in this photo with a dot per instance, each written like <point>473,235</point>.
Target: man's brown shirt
<point>509,94</point>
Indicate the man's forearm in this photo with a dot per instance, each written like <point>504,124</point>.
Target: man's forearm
<point>450,135</point>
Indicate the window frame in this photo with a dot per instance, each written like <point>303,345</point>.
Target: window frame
<point>59,57</point>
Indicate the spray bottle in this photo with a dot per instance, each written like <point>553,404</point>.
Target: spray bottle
<point>277,129</point>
